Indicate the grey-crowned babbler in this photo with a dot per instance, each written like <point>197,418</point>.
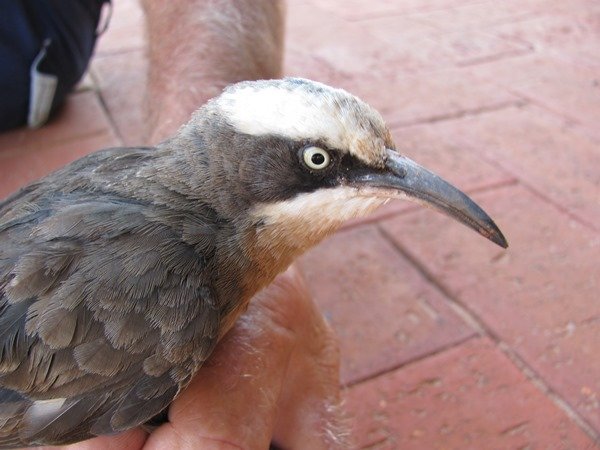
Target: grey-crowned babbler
<point>120,272</point>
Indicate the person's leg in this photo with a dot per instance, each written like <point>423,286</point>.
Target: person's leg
<point>197,47</point>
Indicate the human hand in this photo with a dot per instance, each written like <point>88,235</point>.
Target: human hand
<point>273,378</point>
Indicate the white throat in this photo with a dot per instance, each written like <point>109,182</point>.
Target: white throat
<point>303,221</point>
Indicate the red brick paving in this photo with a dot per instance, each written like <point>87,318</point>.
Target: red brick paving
<point>447,341</point>
<point>564,84</point>
<point>82,116</point>
<point>468,397</point>
<point>540,297</point>
<point>551,154</point>
<point>30,164</point>
<point>383,324</point>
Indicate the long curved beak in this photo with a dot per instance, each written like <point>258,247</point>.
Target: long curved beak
<point>404,178</point>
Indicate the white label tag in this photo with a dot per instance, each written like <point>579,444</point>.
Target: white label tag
<point>41,92</point>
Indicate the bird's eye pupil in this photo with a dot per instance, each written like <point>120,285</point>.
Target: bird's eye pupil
<point>317,159</point>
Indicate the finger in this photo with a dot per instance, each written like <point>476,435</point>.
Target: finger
<point>309,413</point>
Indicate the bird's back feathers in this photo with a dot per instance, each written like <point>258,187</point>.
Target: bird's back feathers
<point>107,304</point>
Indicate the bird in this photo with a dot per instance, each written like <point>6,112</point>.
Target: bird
<point>120,272</point>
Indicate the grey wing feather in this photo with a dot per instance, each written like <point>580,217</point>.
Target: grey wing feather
<point>106,308</point>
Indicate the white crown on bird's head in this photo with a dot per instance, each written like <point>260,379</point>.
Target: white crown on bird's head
<point>301,109</point>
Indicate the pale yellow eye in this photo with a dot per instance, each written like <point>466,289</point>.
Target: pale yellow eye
<point>316,158</point>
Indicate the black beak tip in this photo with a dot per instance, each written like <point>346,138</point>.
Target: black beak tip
<point>500,240</point>
<point>496,236</point>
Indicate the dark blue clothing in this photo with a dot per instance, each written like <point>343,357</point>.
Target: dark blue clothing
<point>69,27</point>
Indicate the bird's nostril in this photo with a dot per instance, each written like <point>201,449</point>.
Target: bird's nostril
<point>400,172</point>
<point>396,164</point>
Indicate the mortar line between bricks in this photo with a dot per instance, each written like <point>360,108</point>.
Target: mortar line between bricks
<point>459,114</point>
<point>376,444</point>
<point>473,318</point>
<point>560,114</point>
<point>396,13</point>
<point>372,376</point>
<point>518,18</point>
<point>563,209</point>
<point>497,57</point>
<point>539,382</point>
<point>121,51</point>
<point>530,374</point>
<point>106,110</point>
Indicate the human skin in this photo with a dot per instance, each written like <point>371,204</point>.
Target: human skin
<point>274,378</point>
<point>197,47</point>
